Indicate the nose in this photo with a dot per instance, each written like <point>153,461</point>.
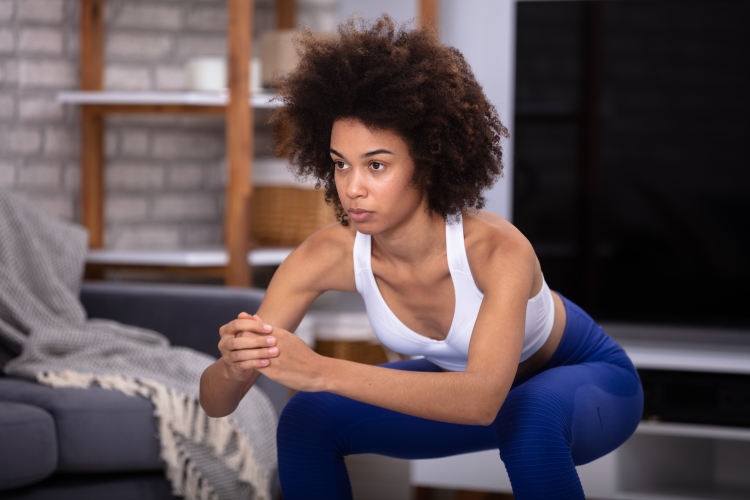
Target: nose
<point>355,184</point>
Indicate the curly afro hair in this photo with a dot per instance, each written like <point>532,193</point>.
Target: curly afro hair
<point>401,79</point>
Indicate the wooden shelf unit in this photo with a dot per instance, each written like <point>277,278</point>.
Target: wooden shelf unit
<point>236,105</point>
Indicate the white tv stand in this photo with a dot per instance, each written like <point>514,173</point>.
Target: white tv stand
<point>661,461</point>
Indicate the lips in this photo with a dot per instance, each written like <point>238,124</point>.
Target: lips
<point>359,215</point>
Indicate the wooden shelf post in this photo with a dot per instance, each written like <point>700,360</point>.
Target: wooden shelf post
<point>429,13</point>
<point>92,122</point>
<point>239,143</point>
<point>286,14</point>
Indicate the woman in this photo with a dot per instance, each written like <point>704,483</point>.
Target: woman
<point>400,133</point>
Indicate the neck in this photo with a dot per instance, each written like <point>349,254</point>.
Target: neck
<point>415,239</point>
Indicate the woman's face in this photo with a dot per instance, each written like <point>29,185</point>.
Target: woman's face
<point>373,172</point>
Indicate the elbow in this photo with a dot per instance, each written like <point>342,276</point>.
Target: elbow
<point>486,410</point>
<point>206,407</point>
<point>212,412</point>
<point>211,406</point>
<point>486,418</point>
<point>483,415</point>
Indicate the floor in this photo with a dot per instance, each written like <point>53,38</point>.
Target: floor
<point>375,477</point>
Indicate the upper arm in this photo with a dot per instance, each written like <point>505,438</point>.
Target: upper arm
<point>323,262</point>
<point>504,265</point>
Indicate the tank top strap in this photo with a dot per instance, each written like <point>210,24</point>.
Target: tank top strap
<point>362,258</point>
<point>456,249</point>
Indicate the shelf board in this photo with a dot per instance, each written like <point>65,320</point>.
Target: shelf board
<point>149,98</point>
<point>685,493</point>
<point>715,358</point>
<point>694,430</point>
<point>215,257</point>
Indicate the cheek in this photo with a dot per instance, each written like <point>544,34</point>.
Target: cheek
<point>402,189</point>
<point>339,185</point>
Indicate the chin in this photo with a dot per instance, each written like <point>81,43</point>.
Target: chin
<point>368,227</point>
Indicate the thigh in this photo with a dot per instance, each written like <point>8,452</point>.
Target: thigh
<point>343,426</point>
<point>589,409</point>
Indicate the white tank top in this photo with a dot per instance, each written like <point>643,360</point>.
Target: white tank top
<point>453,352</point>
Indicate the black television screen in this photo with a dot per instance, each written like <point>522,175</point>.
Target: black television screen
<point>632,162</point>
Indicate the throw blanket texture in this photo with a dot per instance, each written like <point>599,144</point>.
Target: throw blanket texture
<point>42,320</point>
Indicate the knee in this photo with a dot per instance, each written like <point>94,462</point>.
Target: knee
<point>533,422</point>
<point>603,421</point>
<point>307,418</point>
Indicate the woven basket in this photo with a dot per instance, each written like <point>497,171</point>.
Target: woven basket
<point>359,352</point>
<point>284,216</point>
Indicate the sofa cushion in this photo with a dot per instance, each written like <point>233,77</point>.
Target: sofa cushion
<point>98,430</point>
<point>131,486</point>
<point>28,446</point>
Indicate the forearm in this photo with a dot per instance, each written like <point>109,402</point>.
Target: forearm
<point>219,393</point>
<point>456,397</point>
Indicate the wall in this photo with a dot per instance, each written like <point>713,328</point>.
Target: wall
<point>165,175</point>
<point>484,32</point>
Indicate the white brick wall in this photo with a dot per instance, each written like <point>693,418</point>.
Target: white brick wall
<point>61,141</point>
<point>7,107</point>
<point>40,108</point>
<point>165,175</point>
<point>7,175</point>
<point>42,11</point>
<point>134,143</point>
<point>185,177</point>
<point>21,140</point>
<point>127,176</point>
<point>52,74</point>
<point>43,176</point>
<point>7,41</point>
<point>145,16</point>
<point>147,235</point>
<point>170,78</point>
<point>177,207</point>
<point>124,208</point>
<point>126,77</point>
<point>41,41</point>
<point>6,10</point>
<point>211,18</point>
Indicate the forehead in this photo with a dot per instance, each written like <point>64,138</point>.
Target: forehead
<point>354,136</point>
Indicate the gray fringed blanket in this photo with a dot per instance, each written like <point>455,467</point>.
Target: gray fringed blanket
<point>41,318</point>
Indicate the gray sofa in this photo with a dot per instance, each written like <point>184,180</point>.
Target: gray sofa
<point>96,443</point>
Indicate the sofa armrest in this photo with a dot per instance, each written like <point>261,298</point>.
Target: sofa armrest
<point>189,315</point>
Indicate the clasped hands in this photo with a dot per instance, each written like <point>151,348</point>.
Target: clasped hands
<point>248,344</point>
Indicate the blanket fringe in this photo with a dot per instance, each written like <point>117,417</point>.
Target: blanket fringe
<point>181,417</point>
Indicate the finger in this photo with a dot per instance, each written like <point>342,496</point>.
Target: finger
<point>249,342</point>
<point>250,354</point>
<point>244,315</point>
<point>253,364</point>
<point>245,325</point>
<point>265,326</point>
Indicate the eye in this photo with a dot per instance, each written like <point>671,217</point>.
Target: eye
<point>339,165</point>
<point>377,166</point>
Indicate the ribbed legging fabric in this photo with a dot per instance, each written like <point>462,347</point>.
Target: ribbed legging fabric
<point>582,404</point>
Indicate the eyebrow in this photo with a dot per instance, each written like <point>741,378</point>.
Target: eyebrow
<point>366,155</point>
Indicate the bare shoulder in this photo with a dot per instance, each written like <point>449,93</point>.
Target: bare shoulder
<point>488,234</point>
<point>324,261</point>
<point>496,247</point>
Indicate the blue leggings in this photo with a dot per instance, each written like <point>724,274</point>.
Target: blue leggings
<point>582,404</point>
